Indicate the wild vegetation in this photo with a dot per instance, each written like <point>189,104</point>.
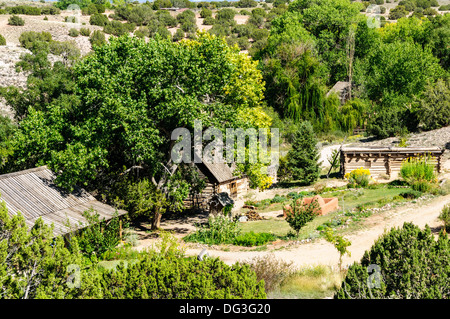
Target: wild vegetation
<point>104,121</point>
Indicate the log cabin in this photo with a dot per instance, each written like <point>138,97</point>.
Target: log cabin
<point>219,179</point>
<point>385,160</point>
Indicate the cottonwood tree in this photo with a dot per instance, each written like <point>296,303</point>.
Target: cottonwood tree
<point>129,97</point>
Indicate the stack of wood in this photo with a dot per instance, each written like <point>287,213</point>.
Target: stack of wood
<point>253,215</point>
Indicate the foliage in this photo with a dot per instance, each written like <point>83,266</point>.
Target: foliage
<point>339,242</point>
<point>411,264</point>
<point>205,12</point>
<point>28,38</point>
<point>433,109</point>
<point>179,35</point>
<point>24,9</point>
<point>246,4</point>
<point>294,75</point>
<point>225,14</point>
<point>400,68</point>
<point>412,194</point>
<point>97,236</point>
<point>398,12</point>
<point>219,230</point>
<point>2,40</point>
<point>36,265</point>
<point>16,20</point>
<point>98,19</point>
<point>303,156</point>
<point>272,270</point>
<point>209,21</point>
<point>74,32</point>
<point>85,32</point>
<point>173,277</point>
<point>31,261</point>
<point>359,177</point>
<point>444,216</point>
<point>298,214</point>
<point>97,38</point>
<point>418,173</point>
<point>253,239</point>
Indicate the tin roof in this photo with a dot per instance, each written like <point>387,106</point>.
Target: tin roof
<point>33,193</point>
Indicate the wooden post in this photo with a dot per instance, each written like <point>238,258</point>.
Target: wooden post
<point>389,165</point>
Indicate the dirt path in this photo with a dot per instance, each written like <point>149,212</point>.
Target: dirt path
<point>322,252</point>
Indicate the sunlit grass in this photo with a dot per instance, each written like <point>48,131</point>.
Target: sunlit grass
<point>309,283</point>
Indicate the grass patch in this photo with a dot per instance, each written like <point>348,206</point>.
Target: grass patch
<point>352,203</point>
<point>309,283</point>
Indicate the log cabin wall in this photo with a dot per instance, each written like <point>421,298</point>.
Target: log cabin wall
<point>234,186</point>
<point>385,161</point>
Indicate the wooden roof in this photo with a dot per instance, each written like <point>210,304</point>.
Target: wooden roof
<point>384,149</point>
<point>221,172</point>
<point>34,193</point>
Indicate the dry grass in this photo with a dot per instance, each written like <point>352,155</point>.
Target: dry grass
<point>316,282</point>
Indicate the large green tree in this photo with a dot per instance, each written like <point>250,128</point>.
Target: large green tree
<point>129,97</point>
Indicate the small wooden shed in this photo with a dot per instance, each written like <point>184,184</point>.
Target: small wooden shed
<point>219,179</point>
<point>33,193</point>
<point>385,160</point>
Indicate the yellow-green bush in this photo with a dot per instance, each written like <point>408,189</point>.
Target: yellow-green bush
<point>419,173</point>
<point>359,177</point>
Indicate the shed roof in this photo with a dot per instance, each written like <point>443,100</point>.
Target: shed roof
<point>339,87</point>
<point>220,171</point>
<point>34,193</point>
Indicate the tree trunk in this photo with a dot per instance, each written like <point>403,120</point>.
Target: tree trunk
<point>156,219</point>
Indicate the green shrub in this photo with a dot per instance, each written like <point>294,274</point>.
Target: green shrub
<point>278,199</point>
<point>98,19</point>
<point>411,194</point>
<point>219,230</point>
<point>398,12</point>
<point>444,7</point>
<point>91,9</point>
<point>51,10</point>
<point>99,236</point>
<point>419,173</point>
<point>23,9</point>
<point>253,239</point>
<point>406,263</point>
<point>430,12</point>
<point>97,38</point>
<point>27,38</point>
<point>445,217</point>
<point>225,14</point>
<point>209,21</point>
<point>85,32</point>
<point>175,277</point>
<point>2,40</point>
<point>298,215</point>
<point>16,21</point>
<point>74,32</point>
<point>205,12</point>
